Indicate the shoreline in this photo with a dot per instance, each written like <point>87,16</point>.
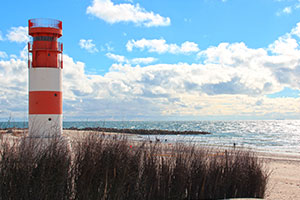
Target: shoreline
<point>18,132</point>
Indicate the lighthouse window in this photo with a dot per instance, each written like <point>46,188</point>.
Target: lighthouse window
<point>43,38</point>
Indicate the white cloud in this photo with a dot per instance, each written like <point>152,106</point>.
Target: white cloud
<point>285,61</point>
<point>278,64</point>
<point>75,72</point>
<point>287,10</point>
<point>1,38</point>
<point>231,54</point>
<point>285,45</point>
<point>125,12</point>
<point>188,47</point>
<point>13,88</point>
<point>122,59</point>
<point>284,11</point>
<point>257,72</point>
<point>160,46</point>
<point>3,54</point>
<point>24,53</point>
<point>147,60</point>
<point>183,89</point>
<point>296,30</point>
<point>18,34</point>
<point>117,58</point>
<point>107,47</point>
<point>88,45</point>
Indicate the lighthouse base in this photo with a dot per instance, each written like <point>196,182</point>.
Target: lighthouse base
<point>45,126</point>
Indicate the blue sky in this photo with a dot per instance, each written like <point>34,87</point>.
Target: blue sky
<point>162,60</point>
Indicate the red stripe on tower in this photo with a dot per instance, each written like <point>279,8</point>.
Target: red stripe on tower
<point>45,78</point>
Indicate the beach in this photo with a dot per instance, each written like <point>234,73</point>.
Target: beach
<point>284,180</point>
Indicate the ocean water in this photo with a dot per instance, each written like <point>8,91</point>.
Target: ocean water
<point>277,136</point>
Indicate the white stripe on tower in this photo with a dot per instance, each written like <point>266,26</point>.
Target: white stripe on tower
<point>45,79</point>
<point>40,126</point>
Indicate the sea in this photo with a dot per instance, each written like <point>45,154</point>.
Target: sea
<point>275,136</point>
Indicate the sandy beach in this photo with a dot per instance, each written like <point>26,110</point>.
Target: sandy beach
<point>284,181</point>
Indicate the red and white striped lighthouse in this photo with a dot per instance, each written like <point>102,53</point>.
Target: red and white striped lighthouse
<point>45,65</point>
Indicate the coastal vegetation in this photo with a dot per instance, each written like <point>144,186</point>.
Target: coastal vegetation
<point>100,167</point>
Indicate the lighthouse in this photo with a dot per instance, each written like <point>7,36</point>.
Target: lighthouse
<point>45,64</point>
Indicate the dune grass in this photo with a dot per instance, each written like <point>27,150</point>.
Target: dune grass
<point>98,167</point>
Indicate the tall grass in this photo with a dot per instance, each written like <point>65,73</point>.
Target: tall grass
<point>98,167</point>
<point>32,169</point>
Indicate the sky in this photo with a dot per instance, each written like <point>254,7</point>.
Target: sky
<point>161,59</point>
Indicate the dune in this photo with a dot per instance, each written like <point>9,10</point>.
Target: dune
<point>284,180</point>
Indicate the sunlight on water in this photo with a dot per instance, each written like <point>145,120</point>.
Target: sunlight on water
<point>275,136</point>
